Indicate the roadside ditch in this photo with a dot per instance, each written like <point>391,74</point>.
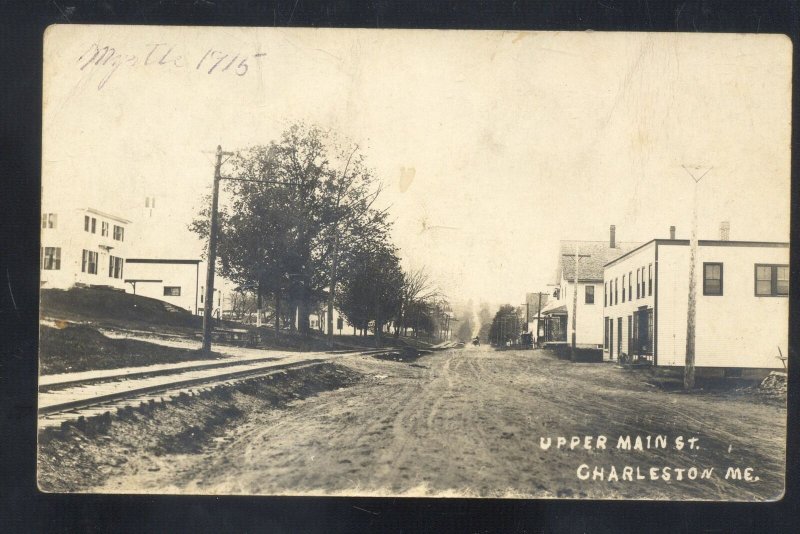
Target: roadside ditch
<point>84,455</point>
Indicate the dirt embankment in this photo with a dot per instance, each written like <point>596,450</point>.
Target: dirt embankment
<point>144,442</point>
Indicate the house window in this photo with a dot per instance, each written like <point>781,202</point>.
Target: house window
<point>115,267</point>
<point>644,286</point>
<point>638,281</point>
<point>623,288</point>
<point>49,220</point>
<point>605,294</point>
<point>51,258</point>
<point>90,224</point>
<point>104,228</point>
<point>172,291</point>
<point>650,279</point>
<point>630,285</point>
<point>119,233</point>
<point>589,296</point>
<point>605,332</point>
<point>89,262</point>
<point>772,280</point>
<point>616,290</point>
<point>712,279</point>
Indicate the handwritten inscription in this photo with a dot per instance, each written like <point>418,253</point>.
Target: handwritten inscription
<point>108,60</point>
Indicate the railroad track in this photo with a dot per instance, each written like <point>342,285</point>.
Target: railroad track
<point>77,400</point>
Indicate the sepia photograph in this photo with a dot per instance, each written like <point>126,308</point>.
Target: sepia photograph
<point>414,263</point>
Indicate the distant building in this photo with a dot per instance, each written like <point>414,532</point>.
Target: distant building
<point>742,309</point>
<point>176,281</point>
<point>557,315</point>
<point>533,303</point>
<point>82,246</point>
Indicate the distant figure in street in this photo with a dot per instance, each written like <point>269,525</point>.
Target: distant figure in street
<point>476,341</point>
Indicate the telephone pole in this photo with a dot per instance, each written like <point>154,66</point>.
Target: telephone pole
<point>212,238</point>
<point>575,299</point>
<point>212,252</point>
<point>691,310</point>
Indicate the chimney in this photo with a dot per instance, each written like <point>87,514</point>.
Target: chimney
<point>724,231</point>
<point>672,232</point>
<point>613,238</point>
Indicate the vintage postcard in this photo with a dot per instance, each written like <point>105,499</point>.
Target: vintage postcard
<point>414,263</point>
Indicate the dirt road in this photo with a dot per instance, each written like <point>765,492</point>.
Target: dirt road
<point>469,423</point>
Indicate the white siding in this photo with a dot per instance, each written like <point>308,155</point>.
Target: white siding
<point>641,258</point>
<point>589,321</point>
<point>736,329</point>
<point>70,236</point>
<point>181,275</point>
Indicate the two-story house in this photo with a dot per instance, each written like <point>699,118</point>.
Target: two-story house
<point>742,309</point>
<point>82,246</point>
<point>583,274</point>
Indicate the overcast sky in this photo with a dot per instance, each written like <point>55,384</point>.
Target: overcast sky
<point>493,145</point>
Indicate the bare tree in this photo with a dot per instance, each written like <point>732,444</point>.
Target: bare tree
<point>417,287</point>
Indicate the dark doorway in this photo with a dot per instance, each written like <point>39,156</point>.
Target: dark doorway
<point>630,335</point>
<point>611,339</point>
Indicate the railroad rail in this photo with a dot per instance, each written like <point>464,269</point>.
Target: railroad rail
<point>72,400</point>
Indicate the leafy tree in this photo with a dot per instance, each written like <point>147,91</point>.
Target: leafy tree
<point>292,212</point>
<point>465,329</point>
<point>371,285</point>
<point>506,325</point>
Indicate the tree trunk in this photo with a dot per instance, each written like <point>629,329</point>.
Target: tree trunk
<point>304,310</point>
<point>378,327</point>
<point>332,286</point>
<point>260,304</point>
<point>277,312</point>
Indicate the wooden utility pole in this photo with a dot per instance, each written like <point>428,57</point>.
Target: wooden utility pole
<point>539,317</point>
<point>212,244</point>
<point>575,301</point>
<point>212,252</point>
<point>691,309</point>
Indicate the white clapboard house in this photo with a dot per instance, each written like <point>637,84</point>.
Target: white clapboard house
<point>82,246</point>
<point>742,308</point>
<point>557,314</point>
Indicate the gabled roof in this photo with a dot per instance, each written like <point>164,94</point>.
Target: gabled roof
<point>590,269</point>
<point>107,215</point>
<point>554,308</point>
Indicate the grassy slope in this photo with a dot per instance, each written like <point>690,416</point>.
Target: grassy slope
<point>114,308</point>
<point>82,348</point>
